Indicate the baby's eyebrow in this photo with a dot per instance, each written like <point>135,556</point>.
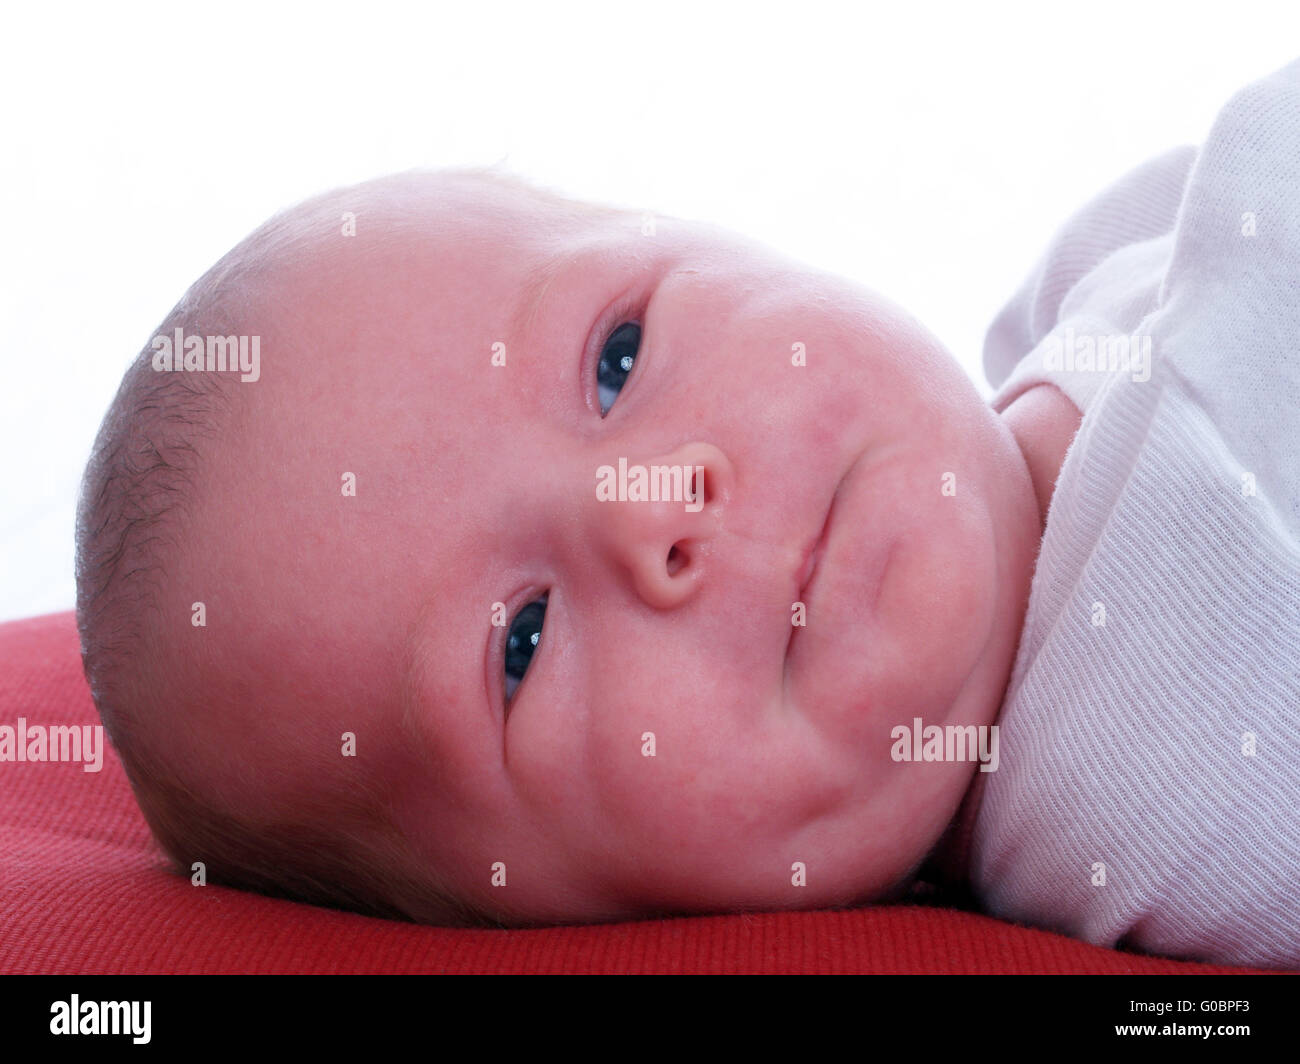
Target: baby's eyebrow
<point>535,286</point>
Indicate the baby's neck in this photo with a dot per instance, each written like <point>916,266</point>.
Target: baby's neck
<point>948,864</point>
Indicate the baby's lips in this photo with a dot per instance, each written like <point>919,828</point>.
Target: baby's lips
<point>810,564</point>
<point>818,546</point>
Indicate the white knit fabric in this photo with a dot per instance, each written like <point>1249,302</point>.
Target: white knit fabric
<point>1124,743</point>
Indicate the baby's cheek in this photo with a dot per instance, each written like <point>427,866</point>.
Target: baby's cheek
<point>938,597</point>
<point>705,778</point>
<point>548,763</point>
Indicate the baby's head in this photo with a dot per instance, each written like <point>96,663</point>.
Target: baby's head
<point>449,663</point>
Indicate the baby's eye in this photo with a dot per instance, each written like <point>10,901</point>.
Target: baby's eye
<point>616,359</point>
<point>521,642</point>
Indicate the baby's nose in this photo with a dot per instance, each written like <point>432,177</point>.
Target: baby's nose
<point>659,517</point>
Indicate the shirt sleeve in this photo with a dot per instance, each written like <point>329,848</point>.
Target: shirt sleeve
<point>1142,205</point>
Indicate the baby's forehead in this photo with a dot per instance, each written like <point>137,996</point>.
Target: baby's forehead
<point>455,271</point>
<point>460,240</point>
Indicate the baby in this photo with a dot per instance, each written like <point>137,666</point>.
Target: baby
<point>459,552</point>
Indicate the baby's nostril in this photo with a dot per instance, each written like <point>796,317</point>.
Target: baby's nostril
<point>676,560</point>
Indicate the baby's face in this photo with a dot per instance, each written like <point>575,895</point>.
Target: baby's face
<point>671,740</point>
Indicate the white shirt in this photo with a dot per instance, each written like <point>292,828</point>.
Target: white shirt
<point>1151,729</point>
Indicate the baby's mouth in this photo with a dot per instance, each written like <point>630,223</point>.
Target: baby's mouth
<point>809,567</point>
<point>811,560</point>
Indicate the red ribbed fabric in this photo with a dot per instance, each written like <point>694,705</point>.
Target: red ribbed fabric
<point>83,889</point>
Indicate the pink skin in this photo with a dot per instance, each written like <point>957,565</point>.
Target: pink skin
<point>476,485</point>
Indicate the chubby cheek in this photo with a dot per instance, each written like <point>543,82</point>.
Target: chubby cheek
<point>938,597</point>
<point>704,804</point>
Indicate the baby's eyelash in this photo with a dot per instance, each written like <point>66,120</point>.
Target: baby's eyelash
<point>628,310</point>
<point>613,368</point>
<point>521,646</point>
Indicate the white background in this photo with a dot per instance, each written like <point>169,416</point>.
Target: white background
<point>927,150</point>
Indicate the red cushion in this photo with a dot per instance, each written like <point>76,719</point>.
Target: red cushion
<point>83,889</point>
